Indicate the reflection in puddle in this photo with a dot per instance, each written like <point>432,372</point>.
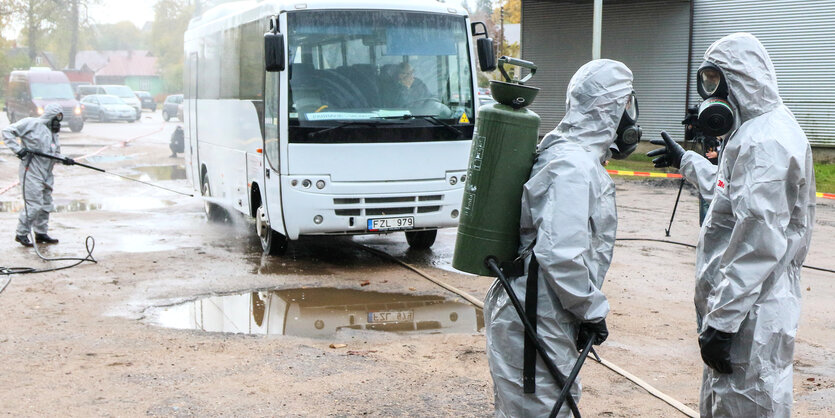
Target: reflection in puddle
<point>320,313</point>
<point>118,204</point>
<point>160,172</point>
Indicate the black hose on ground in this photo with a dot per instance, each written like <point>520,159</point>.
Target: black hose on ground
<point>684,244</point>
<point>89,243</point>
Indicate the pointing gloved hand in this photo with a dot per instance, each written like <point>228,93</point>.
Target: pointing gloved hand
<point>670,155</point>
<point>716,349</point>
<point>587,330</point>
<point>22,153</point>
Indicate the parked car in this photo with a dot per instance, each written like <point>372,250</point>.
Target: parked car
<point>123,92</point>
<point>30,91</point>
<point>106,108</point>
<point>172,107</point>
<point>147,100</point>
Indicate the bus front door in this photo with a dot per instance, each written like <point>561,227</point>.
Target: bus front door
<point>272,172</point>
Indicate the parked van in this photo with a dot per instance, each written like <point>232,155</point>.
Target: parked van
<point>30,91</point>
<point>123,92</point>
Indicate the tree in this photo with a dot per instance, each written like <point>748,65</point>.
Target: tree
<point>484,6</point>
<point>512,11</point>
<point>117,36</point>
<point>171,19</point>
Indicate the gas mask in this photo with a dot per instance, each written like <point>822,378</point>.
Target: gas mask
<point>55,123</point>
<point>629,132</point>
<point>716,118</point>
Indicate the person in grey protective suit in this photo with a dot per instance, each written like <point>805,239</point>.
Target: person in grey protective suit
<point>755,236</point>
<point>568,223</point>
<point>36,134</point>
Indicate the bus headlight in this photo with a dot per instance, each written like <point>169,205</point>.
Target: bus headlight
<point>40,111</point>
<point>320,184</point>
<point>77,110</point>
<point>453,180</point>
<point>306,183</point>
<point>318,219</point>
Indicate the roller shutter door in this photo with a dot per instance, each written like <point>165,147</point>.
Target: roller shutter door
<point>800,38</point>
<point>650,37</point>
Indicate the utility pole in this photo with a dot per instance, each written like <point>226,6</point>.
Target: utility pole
<point>501,39</point>
<point>597,29</point>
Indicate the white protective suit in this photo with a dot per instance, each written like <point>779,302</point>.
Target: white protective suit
<point>568,207</point>
<point>755,237</point>
<point>35,134</point>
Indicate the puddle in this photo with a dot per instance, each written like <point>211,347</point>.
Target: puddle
<point>116,204</point>
<point>107,158</point>
<point>160,172</point>
<point>320,313</point>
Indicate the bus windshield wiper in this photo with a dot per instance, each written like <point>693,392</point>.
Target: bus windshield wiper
<point>431,118</point>
<point>371,123</point>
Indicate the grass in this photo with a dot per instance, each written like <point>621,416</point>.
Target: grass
<point>825,177</point>
<point>824,173</point>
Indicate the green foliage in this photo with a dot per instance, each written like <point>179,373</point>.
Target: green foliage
<point>117,36</point>
<point>170,23</point>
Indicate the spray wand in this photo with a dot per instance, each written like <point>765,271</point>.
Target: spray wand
<point>70,161</point>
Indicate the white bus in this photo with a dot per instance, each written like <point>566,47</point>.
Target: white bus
<point>362,125</point>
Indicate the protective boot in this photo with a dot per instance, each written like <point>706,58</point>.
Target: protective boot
<point>45,239</point>
<point>23,240</point>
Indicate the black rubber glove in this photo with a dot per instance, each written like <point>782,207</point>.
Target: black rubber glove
<point>68,161</point>
<point>670,155</point>
<point>22,153</point>
<point>716,349</point>
<point>587,330</point>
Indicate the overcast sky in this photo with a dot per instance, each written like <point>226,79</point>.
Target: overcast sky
<point>112,11</point>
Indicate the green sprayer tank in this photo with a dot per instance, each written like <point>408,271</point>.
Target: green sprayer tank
<point>501,158</point>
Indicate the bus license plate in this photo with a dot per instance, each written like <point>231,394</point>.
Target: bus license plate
<point>391,224</point>
<point>390,316</point>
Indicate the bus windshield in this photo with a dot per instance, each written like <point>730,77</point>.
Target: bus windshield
<point>51,91</point>
<point>352,72</point>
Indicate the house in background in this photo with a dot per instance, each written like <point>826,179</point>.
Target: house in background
<point>135,69</point>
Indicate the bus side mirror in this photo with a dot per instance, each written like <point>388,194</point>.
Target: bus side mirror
<point>274,51</point>
<point>486,56</point>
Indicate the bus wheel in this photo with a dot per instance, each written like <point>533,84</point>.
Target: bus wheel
<point>421,240</point>
<point>214,213</point>
<point>272,242</point>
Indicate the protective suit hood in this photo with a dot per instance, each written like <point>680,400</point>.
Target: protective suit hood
<point>50,111</point>
<point>752,81</point>
<point>596,98</point>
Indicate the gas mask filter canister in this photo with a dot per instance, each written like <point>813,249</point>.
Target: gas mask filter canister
<point>55,123</point>
<point>716,118</point>
<point>629,132</point>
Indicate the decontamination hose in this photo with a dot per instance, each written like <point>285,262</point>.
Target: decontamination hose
<point>684,409</point>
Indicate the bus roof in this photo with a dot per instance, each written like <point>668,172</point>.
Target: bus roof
<point>248,10</point>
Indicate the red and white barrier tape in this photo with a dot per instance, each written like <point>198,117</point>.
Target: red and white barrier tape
<point>678,176</point>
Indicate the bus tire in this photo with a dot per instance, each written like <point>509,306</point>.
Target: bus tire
<point>165,115</point>
<point>272,242</point>
<point>421,240</point>
<point>214,213</point>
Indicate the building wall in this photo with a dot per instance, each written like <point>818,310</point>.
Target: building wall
<point>650,37</point>
<point>149,84</point>
<point>800,38</point>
